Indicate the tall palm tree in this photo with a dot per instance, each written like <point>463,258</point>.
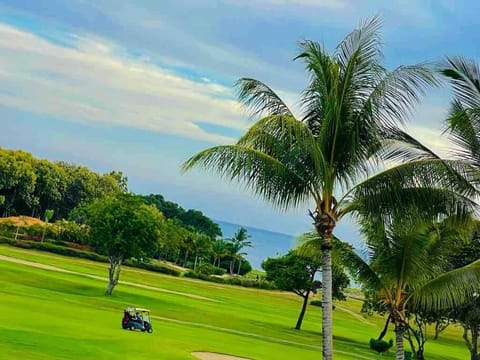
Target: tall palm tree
<point>352,109</point>
<point>407,271</point>
<point>239,242</point>
<point>219,250</point>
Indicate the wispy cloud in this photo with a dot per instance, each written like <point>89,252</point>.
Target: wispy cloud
<point>91,83</point>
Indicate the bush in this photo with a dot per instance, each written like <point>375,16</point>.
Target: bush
<point>209,269</point>
<point>160,268</point>
<point>234,280</point>
<point>316,303</point>
<point>380,346</point>
<point>62,250</point>
<point>56,249</point>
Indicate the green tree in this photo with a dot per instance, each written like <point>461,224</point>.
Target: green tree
<point>193,220</point>
<point>239,241</point>
<point>50,186</point>
<point>48,216</point>
<point>122,226</point>
<point>295,272</point>
<point>17,179</point>
<point>219,250</point>
<point>406,271</point>
<point>352,108</point>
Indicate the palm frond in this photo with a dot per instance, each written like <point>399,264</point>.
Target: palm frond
<point>261,173</point>
<point>394,97</point>
<point>464,75</point>
<point>290,141</point>
<point>399,146</point>
<point>359,268</point>
<point>464,130</point>
<point>448,290</point>
<point>424,188</point>
<point>260,98</point>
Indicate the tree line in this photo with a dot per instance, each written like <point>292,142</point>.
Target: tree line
<point>69,195</point>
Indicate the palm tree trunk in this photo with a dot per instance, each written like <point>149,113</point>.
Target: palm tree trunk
<point>302,312</point>
<point>327,334</point>
<point>385,329</point>
<point>400,353</point>
<point>239,266</point>
<point>232,266</point>
<point>195,264</point>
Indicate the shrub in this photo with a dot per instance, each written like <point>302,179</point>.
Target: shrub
<point>209,269</point>
<point>238,281</point>
<point>380,346</point>
<point>316,303</point>
<point>160,268</point>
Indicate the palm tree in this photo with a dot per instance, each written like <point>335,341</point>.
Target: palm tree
<point>406,271</point>
<point>239,242</point>
<point>219,250</point>
<point>352,109</point>
<point>201,244</point>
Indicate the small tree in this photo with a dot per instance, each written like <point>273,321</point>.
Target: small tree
<point>296,273</point>
<point>122,226</point>
<point>48,217</point>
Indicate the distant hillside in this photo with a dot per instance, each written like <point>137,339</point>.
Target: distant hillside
<point>266,243</point>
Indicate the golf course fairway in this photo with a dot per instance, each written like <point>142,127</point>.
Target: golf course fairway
<point>55,308</point>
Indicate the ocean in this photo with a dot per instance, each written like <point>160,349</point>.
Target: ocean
<point>265,243</point>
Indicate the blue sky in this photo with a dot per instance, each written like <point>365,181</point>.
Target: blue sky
<point>139,86</point>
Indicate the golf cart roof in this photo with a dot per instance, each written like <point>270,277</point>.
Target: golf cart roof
<point>132,308</point>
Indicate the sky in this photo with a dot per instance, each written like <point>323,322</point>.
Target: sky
<point>140,86</point>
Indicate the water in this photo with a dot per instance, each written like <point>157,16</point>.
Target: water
<point>265,243</point>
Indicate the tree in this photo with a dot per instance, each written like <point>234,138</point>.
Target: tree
<point>239,242</point>
<point>352,108</point>
<point>201,245</point>
<point>48,216</point>
<point>122,226</point>
<point>193,220</point>
<point>17,179</point>
<point>406,272</point>
<point>219,250</point>
<point>294,273</point>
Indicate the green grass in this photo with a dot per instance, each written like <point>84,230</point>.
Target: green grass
<point>54,315</point>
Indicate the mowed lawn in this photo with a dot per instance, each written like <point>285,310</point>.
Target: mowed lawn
<point>49,314</point>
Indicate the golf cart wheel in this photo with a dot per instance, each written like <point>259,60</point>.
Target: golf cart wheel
<point>150,330</point>
<point>132,328</point>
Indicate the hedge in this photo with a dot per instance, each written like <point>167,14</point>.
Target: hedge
<point>259,284</point>
<point>62,250</point>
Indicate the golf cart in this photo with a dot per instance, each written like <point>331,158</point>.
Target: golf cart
<point>136,319</point>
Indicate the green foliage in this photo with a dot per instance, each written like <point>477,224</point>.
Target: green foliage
<point>293,272</point>
<point>157,267</point>
<point>191,219</point>
<point>121,226</point>
<point>380,346</point>
<point>31,186</point>
<point>209,269</point>
<point>56,249</point>
<point>233,280</point>
<point>316,303</point>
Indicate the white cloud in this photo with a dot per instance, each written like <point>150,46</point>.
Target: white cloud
<point>90,83</point>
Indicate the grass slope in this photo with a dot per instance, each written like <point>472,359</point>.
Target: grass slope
<point>58,315</point>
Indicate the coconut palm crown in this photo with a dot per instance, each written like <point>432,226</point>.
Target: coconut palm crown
<point>324,157</point>
<point>406,269</point>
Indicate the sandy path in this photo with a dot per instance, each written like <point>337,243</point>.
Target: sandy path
<point>57,269</point>
<point>214,356</point>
